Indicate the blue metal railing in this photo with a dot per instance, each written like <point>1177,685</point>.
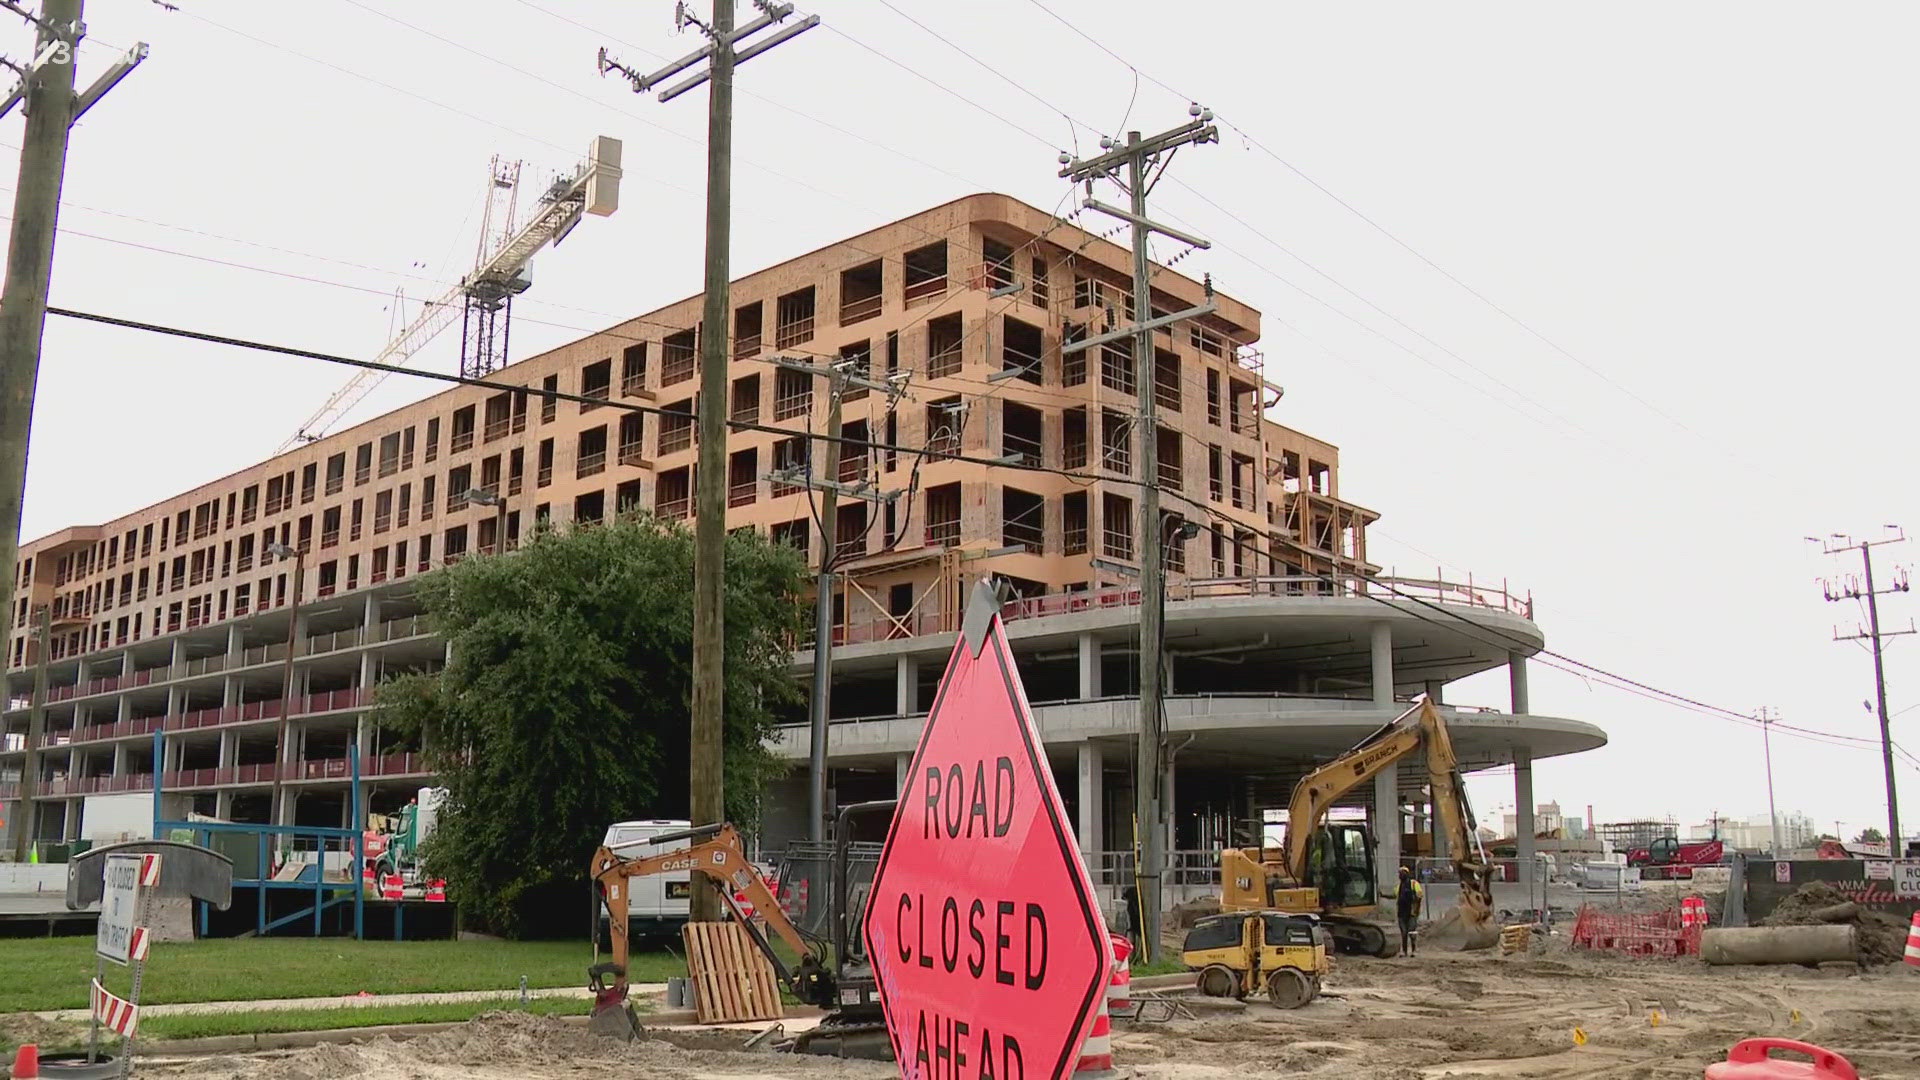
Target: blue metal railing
<point>353,840</point>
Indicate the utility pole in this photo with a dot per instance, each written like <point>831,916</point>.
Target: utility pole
<point>46,89</point>
<point>707,770</point>
<point>36,734</point>
<point>839,376</point>
<point>1766,717</point>
<point>1851,588</point>
<point>1144,161</point>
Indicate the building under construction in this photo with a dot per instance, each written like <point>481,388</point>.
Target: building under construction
<point>1284,645</point>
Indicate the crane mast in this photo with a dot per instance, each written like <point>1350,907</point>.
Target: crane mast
<point>483,300</point>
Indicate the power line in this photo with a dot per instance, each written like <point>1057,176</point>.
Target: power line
<point>1261,267</point>
<point>1511,641</point>
<point>1506,640</point>
<point>1386,232</point>
<point>762,98</point>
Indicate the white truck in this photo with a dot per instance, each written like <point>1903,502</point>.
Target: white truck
<point>657,903</point>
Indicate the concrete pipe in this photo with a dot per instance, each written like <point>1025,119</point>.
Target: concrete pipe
<point>1777,945</point>
<point>1846,912</point>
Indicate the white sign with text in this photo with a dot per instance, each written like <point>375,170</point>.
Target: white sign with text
<point>120,907</point>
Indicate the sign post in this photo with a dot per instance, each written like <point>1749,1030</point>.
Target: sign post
<point>989,950</point>
<point>127,888</point>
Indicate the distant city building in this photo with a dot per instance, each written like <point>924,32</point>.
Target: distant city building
<point>1755,833</point>
<point>1546,818</point>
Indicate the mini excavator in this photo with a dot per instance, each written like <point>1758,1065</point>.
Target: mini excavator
<point>825,972</point>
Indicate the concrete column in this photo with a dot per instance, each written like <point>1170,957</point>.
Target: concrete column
<point>1517,681</point>
<point>230,691</point>
<point>236,641</point>
<point>229,749</point>
<point>1386,828</point>
<point>1093,825</point>
<point>119,759</point>
<point>179,662</point>
<point>371,617</point>
<point>1523,812</point>
<point>906,685</point>
<point>125,710</point>
<point>900,766</point>
<point>1089,667</point>
<point>223,805</point>
<point>1434,691</point>
<point>1382,643</point>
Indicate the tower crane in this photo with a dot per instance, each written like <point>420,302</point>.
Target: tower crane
<point>483,300</point>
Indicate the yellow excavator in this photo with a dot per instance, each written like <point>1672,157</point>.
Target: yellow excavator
<point>1327,867</point>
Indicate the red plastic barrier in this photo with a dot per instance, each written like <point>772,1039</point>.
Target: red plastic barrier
<point>1752,1060</point>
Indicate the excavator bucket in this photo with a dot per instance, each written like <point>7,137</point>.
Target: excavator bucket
<point>1467,927</point>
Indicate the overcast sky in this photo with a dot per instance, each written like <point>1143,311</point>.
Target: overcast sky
<point>1704,210</point>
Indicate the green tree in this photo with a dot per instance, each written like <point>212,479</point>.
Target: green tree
<point>1870,835</point>
<point>566,702</point>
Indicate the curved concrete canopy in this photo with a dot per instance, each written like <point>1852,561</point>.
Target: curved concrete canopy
<point>1440,642</point>
<point>1243,732</point>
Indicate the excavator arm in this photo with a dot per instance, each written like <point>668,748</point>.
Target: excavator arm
<point>722,860</point>
<point>1456,818</point>
<point>1322,788</point>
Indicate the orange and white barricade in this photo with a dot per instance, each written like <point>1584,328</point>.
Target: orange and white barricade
<point>1096,1054</point>
<point>1120,986</point>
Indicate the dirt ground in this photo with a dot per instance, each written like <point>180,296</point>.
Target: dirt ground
<point>1472,1015</point>
<point>1438,1015</point>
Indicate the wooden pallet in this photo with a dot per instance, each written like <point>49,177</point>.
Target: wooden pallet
<point>732,979</point>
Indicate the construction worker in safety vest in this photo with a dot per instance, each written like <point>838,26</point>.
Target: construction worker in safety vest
<point>1409,902</point>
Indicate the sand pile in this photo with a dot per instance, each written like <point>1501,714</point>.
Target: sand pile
<point>1881,938</point>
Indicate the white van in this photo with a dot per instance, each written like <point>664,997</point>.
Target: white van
<point>657,903</point>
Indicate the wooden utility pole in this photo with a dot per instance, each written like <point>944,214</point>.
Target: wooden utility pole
<point>46,89</point>
<point>36,734</point>
<point>706,779</point>
<point>1875,639</point>
<point>1144,160</point>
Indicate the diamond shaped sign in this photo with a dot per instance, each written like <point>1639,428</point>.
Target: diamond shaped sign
<point>990,953</point>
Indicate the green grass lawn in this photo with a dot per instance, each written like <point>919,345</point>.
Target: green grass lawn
<point>65,1038</point>
<point>255,1023</point>
<point>41,974</point>
<point>1166,965</point>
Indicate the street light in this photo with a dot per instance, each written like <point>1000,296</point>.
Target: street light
<point>299,557</point>
<point>490,497</point>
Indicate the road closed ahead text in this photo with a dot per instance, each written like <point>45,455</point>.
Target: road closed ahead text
<point>981,924</point>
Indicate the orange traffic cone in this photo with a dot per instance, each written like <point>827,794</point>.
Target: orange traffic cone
<point>26,1062</point>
